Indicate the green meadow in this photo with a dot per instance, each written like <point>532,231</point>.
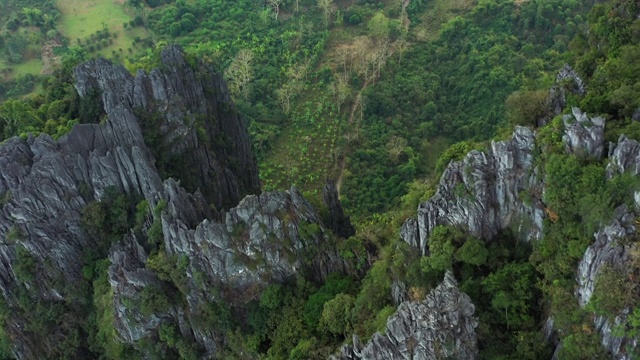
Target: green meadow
<point>80,19</point>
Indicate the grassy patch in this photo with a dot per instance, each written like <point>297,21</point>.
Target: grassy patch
<point>437,13</point>
<point>30,62</point>
<point>31,66</point>
<point>302,155</point>
<point>80,19</point>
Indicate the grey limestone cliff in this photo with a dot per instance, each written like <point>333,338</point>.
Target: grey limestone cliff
<point>583,135</point>
<point>45,186</point>
<point>612,249</point>
<point>567,81</point>
<point>442,326</point>
<point>483,193</point>
<point>337,221</point>
<point>269,238</point>
<point>187,107</point>
<point>500,188</point>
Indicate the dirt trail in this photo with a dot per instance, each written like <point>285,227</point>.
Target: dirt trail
<point>342,162</point>
<point>49,60</point>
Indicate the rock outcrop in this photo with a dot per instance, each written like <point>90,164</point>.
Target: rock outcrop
<point>607,250</point>
<point>583,135</point>
<point>225,249</point>
<point>499,188</point>
<point>483,193</point>
<point>442,326</point>
<point>266,239</point>
<point>623,157</point>
<point>46,185</point>
<point>567,80</point>
<point>337,221</point>
<point>199,136</point>
<point>612,249</point>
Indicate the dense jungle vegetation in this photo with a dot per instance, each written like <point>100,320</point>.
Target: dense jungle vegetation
<point>379,95</point>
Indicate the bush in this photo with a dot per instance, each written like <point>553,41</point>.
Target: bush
<point>336,314</point>
<point>525,108</point>
<point>455,152</point>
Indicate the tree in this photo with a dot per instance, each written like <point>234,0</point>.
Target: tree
<point>340,89</point>
<point>525,108</point>
<point>328,8</point>
<point>16,115</point>
<point>284,95</point>
<point>240,73</point>
<point>473,252</point>
<point>379,27</point>
<point>336,314</point>
<point>275,4</point>
<point>395,146</point>
<point>33,15</point>
<point>401,46</point>
<point>379,57</point>
<point>298,72</point>
<point>512,291</point>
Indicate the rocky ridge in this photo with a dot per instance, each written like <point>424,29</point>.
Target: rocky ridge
<point>232,247</point>
<point>611,250</point>
<point>440,326</point>
<point>187,107</point>
<point>567,81</point>
<point>483,194</point>
<point>266,239</point>
<point>489,191</point>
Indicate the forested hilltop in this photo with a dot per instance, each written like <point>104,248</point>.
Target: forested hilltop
<point>144,210</point>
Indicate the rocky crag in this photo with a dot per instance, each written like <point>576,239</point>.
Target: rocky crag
<point>612,249</point>
<point>500,188</point>
<point>480,193</point>
<point>218,247</point>
<point>442,326</point>
<point>191,124</point>
<point>483,194</point>
<point>266,239</point>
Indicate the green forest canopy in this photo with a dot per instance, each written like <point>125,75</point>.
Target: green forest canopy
<point>322,100</point>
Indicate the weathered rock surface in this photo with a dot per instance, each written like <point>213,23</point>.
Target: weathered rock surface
<point>203,141</point>
<point>49,183</point>
<point>583,135</point>
<point>624,157</point>
<point>442,326</point>
<point>266,239</point>
<point>611,250</point>
<point>127,277</point>
<point>567,80</point>
<point>607,250</point>
<point>46,184</point>
<point>484,194</point>
<point>337,221</point>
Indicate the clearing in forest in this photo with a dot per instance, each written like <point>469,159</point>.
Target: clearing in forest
<point>437,13</point>
<point>81,18</point>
